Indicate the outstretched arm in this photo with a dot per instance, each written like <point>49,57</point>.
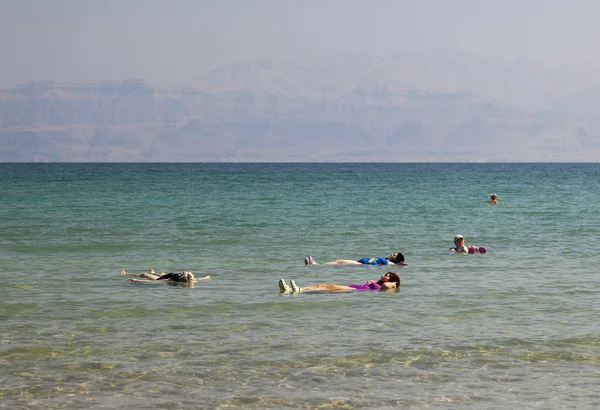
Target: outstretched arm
<point>207,277</point>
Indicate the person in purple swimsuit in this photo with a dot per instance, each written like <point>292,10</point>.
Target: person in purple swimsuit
<point>390,280</point>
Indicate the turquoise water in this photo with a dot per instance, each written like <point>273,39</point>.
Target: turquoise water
<point>514,328</point>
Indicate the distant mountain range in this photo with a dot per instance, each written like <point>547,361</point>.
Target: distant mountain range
<point>422,106</point>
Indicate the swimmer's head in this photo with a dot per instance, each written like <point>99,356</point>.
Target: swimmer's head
<point>396,258</point>
<point>187,277</point>
<point>458,238</point>
<point>390,277</point>
<point>493,196</point>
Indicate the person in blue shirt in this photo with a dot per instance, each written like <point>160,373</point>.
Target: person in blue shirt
<point>394,259</point>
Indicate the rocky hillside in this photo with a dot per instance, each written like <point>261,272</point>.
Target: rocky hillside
<point>405,107</point>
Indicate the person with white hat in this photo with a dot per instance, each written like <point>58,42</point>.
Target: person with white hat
<point>460,247</point>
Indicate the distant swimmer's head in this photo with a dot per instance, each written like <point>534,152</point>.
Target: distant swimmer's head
<point>186,277</point>
<point>458,238</point>
<point>492,196</point>
<point>396,258</point>
<point>390,277</point>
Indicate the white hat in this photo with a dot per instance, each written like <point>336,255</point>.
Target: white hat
<point>457,237</point>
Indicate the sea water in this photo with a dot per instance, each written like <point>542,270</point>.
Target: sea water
<point>514,328</point>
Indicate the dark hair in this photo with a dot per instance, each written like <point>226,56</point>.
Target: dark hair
<point>398,259</point>
<point>394,278</point>
<point>391,277</point>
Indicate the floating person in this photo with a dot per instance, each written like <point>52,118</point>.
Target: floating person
<point>394,259</point>
<point>389,281</point>
<point>180,277</point>
<point>493,199</point>
<point>460,247</point>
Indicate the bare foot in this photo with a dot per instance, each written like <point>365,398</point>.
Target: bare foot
<point>123,272</point>
<point>152,271</point>
<point>309,261</point>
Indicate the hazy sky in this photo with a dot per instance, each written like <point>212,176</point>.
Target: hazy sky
<point>172,41</point>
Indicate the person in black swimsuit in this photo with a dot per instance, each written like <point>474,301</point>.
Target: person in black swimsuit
<point>180,277</point>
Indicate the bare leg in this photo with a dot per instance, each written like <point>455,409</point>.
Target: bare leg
<point>343,262</point>
<point>152,275</point>
<point>141,280</point>
<point>328,287</point>
<point>149,275</point>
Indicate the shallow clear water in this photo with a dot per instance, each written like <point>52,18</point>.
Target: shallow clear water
<point>515,328</point>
